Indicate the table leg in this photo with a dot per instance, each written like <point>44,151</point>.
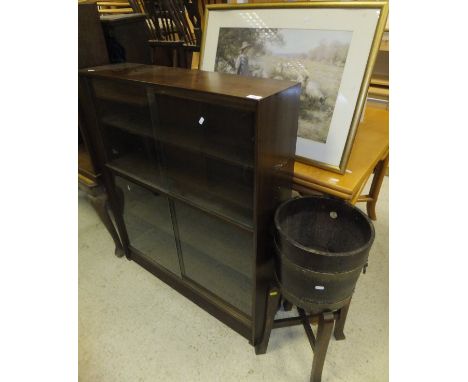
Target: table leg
<point>325,328</point>
<point>379,175</point>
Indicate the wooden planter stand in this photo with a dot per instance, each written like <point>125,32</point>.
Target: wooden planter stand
<point>328,322</point>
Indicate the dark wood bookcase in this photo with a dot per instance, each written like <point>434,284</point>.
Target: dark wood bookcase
<point>195,164</point>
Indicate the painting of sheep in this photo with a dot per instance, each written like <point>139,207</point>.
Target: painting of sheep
<point>315,58</point>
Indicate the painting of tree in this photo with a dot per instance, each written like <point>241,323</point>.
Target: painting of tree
<point>315,58</point>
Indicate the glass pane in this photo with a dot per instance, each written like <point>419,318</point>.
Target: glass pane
<point>126,122</point>
<point>208,155</point>
<point>123,92</point>
<point>217,255</point>
<point>149,226</point>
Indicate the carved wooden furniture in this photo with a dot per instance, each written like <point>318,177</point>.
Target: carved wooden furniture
<point>368,155</point>
<point>115,7</point>
<point>195,164</point>
<point>174,29</point>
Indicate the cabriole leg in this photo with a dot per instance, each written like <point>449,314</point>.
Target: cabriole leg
<point>99,203</point>
<point>272,307</point>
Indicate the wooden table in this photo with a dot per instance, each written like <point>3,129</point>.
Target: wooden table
<point>368,155</point>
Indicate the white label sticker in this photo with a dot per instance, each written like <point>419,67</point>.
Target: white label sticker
<point>253,96</point>
<point>333,180</point>
<point>201,120</point>
<point>319,287</point>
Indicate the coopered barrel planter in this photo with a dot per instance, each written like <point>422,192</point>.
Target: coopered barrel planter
<point>322,247</point>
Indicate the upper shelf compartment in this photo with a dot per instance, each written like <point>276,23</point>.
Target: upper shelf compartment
<point>120,92</point>
<point>218,131</point>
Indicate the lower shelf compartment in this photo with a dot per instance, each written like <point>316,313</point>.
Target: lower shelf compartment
<point>136,167</point>
<point>231,286</point>
<point>213,253</point>
<point>236,320</point>
<point>147,219</point>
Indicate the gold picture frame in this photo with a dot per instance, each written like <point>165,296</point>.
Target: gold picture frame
<point>341,157</point>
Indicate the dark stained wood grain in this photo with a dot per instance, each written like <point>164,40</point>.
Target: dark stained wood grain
<point>92,49</point>
<point>277,121</point>
<point>196,80</point>
<point>129,31</point>
<point>241,157</point>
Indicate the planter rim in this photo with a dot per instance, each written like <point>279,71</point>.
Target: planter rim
<point>310,250</point>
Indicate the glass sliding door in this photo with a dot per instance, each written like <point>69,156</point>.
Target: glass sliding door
<point>216,255</point>
<point>149,226</point>
<point>207,154</point>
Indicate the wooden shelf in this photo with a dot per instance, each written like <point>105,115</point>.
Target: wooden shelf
<point>140,170</point>
<point>133,123</point>
<point>384,46</point>
<point>213,200</point>
<point>378,91</point>
<point>223,280</point>
<point>217,240</point>
<point>119,93</point>
<point>217,196</point>
<point>138,123</point>
<point>210,149</point>
<point>380,80</point>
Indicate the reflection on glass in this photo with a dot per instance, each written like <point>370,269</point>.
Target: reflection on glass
<point>208,155</point>
<point>216,255</point>
<point>149,226</point>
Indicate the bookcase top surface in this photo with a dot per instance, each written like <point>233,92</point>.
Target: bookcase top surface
<point>195,80</point>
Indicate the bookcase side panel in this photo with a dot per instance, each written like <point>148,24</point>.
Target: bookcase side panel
<point>276,129</point>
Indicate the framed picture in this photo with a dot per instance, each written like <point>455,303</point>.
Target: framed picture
<point>329,47</point>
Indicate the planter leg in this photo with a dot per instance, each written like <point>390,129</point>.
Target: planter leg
<point>272,307</point>
<point>325,328</point>
<point>340,322</point>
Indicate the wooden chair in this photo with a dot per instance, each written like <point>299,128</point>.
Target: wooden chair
<point>174,26</point>
<point>114,7</point>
